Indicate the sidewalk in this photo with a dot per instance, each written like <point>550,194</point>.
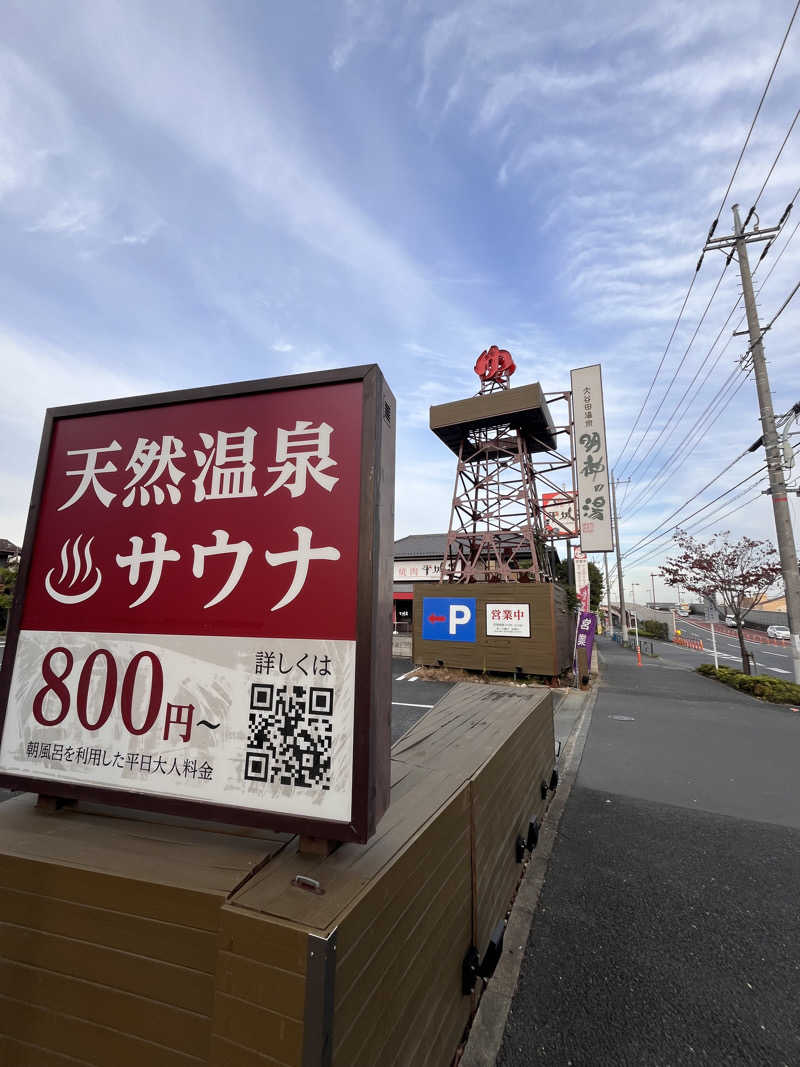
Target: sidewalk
<point>668,926</point>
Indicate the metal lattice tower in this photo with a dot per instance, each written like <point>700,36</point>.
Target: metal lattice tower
<point>496,525</point>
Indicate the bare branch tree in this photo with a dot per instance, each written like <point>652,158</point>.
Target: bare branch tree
<point>740,572</point>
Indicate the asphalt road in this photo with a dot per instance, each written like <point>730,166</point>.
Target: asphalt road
<point>667,930</point>
<point>411,697</point>
<point>770,659</point>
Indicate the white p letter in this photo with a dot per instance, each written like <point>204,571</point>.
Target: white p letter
<point>459,614</point>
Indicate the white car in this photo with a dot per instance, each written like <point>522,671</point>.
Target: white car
<point>781,632</point>
<point>730,620</point>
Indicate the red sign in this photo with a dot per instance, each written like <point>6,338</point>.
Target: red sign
<point>195,580</point>
<point>224,516</point>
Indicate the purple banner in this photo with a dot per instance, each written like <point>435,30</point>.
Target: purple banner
<point>587,623</point>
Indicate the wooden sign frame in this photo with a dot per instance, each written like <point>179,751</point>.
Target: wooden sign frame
<point>373,553</point>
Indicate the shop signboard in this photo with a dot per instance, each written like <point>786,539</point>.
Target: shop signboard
<point>418,570</point>
<point>591,460</point>
<point>558,510</point>
<point>584,639</point>
<point>508,620</point>
<point>202,577</point>
<point>581,565</point>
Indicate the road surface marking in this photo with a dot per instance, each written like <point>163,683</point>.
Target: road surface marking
<point>401,704</point>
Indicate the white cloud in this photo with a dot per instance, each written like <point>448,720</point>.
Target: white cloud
<point>40,376</point>
<point>69,217</point>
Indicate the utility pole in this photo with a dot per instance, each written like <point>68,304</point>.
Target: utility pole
<point>653,587</point>
<point>777,483</point>
<point>608,598</point>
<point>620,584</point>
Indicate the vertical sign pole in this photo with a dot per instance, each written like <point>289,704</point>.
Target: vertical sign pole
<point>622,620</point>
<point>714,646</point>
<point>608,597</point>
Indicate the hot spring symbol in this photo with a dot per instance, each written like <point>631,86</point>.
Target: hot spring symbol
<point>81,561</point>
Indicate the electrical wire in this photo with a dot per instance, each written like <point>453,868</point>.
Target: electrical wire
<point>647,553</point>
<point>671,466</point>
<point>674,377</point>
<point>669,421</point>
<point>710,234</point>
<point>755,117</point>
<point>678,457</point>
<point>653,535</point>
<point>657,542</point>
<point>751,212</point>
<point>774,318</point>
<point>660,365</point>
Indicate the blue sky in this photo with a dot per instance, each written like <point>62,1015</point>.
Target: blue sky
<point>195,193</point>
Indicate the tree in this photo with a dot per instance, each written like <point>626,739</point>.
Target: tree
<point>741,572</point>
<point>596,584</point>
<point>8,580</point>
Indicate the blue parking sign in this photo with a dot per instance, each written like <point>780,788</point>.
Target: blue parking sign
<point>448,618</point>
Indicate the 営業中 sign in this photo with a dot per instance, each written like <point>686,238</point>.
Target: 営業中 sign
<point>591,460</point>
<point>197,599</point>
<point>508,620</point>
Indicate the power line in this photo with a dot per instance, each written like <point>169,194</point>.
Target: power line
<point>655,542</point>
<point>774,318</point>
<point>771,169</point>
<point>648,552</point>
<point>755,119</point>
<point>661,362</point>
<point>710,234</point>
<point>675,378</point>
<point>679,509</point>
<point>678,457</point>
<point>662,540</point>
<point>670,420</point>
<point>651,487</point>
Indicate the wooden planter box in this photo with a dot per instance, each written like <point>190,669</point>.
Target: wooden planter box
<point>546,653</point>
<point>130,939</point>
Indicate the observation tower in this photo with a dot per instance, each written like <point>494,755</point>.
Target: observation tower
<point>497,532</point>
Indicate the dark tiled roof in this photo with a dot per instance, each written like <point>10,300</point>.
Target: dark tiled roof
<point>420,546</point>
<point>8,547</point>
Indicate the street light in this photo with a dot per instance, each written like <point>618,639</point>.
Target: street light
<point>653,587</point>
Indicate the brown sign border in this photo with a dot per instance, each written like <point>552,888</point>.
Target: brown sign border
<point>372,704</point>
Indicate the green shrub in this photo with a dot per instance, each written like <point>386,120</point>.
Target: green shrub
<point>652,628</point>
<point>775,690</point>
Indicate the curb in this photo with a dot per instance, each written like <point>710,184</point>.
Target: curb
<point>489,1024</point>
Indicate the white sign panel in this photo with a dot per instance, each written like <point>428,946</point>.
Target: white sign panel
<point>418,570</point>
<point>591,460</point>
<point>227,735</point>
<point>559,514</point>
<point>581,564</point>
<point>508,620</point>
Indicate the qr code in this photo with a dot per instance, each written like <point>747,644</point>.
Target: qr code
<point>290,735</point>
